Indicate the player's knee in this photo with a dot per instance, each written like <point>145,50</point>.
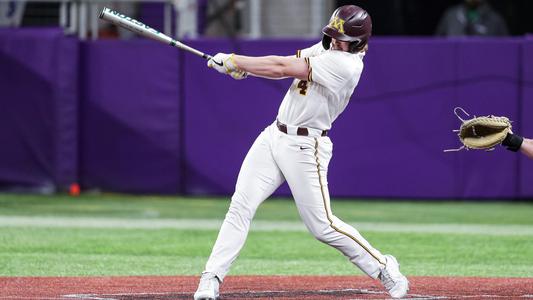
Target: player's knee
<point>322,233</point>
<point>324,237</point>
<point>240,207</point>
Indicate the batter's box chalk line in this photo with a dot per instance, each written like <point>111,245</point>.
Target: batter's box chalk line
<point>279,293</point>
<point>240,295</point>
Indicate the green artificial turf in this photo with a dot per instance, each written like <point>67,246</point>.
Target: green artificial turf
<point>146,207</point>
<point>36,250</point>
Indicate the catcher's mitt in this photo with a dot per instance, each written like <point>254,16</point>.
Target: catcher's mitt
<point>481,132</point>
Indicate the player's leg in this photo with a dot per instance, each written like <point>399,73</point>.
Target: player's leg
<point>304,164</point>
<point>258,178</point>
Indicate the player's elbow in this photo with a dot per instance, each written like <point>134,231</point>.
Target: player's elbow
<point>286,70</point>
<point>281,67</point>
<point>296,68</point>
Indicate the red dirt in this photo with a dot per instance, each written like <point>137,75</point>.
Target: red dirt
<point>259,287</point>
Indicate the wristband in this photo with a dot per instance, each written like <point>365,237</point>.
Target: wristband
<point>513,142</point>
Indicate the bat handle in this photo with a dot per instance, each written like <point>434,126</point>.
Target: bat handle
<point>207,56</point>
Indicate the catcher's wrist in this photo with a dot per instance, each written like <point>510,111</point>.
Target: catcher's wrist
<point>513,142</point>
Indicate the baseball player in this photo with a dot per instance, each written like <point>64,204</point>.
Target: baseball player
<point>514,142</point>
<point>296,148</point>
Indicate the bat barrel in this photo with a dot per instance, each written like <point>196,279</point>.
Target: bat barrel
<point>131,24</point>
<point>124,21</point>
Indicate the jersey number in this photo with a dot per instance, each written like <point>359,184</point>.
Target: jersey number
<point>302,85</point>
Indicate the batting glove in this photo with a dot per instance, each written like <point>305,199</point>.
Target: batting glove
<point>225,64</point>
<point>238,75</point>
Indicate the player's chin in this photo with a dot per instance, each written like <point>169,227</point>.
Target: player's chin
<point>336,47</point>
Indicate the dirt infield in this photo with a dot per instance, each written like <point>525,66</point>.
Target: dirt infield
<point>259,287</point>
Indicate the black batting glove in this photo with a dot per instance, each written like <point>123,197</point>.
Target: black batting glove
<point>513,142</point>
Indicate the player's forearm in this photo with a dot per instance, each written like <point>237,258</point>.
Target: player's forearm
<point>265,66</point>
<point>527,148</point>
<point>275,67</point>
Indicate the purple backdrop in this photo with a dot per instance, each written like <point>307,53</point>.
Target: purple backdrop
<point>488,83</point>
<point>526,109</point>
<point>38,109</point>
<point>398,123</point>
<point>156,120</point>
<point>130,117</point>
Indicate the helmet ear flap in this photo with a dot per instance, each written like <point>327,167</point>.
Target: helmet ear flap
<point>326,41</point>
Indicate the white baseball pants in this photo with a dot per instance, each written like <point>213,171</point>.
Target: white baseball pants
<point>303,162</point>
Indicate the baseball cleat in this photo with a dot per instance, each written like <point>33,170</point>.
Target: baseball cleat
<point>394,282</point>
<point>207,288</point>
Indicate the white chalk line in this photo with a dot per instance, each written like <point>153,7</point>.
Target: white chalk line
<point>85,296</point>
<point>257,225</point>
<point>91,296</point>
<point>270,292</point>
<point>281,292</point>
<point>32,298</point>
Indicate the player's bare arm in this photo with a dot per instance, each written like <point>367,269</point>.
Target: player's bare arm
<point>274,67</point>
<point>527,148</point>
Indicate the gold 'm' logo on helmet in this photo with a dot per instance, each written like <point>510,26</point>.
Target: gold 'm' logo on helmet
<point>338,24</point>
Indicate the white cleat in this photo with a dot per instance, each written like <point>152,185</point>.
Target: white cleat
<point>207,288</point>
<point>394,282</point>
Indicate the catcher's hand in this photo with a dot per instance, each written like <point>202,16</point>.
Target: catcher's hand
<point>481,132</point>
<point>225,64</point>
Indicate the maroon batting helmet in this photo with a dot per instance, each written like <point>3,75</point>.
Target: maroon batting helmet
<point>348,23</point>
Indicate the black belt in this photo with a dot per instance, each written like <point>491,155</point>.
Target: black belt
<point>300,131</point>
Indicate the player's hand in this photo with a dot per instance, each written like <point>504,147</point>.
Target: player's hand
<point>218,62</point>
<point>225,64</point>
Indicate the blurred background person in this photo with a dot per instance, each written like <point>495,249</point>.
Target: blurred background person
<point>11,13</point>
<point>219,17</point>
<point>472,18</point>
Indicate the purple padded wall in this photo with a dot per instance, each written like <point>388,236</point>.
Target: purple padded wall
<point>397,124</point>
<point>488,83</point>
<point>525,126</point>
<point>153,119</point>
<point>38,109</point>
<point>130,117</point>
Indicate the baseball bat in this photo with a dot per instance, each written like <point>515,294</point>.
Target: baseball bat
<point>133,25</point>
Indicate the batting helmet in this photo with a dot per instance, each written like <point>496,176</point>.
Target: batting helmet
<point>348,23</point>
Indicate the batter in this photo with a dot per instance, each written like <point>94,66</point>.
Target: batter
<point>296,148</point>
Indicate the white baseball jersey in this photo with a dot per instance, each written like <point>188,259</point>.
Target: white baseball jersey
<point>317,102</point>
<point>301,160</point>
